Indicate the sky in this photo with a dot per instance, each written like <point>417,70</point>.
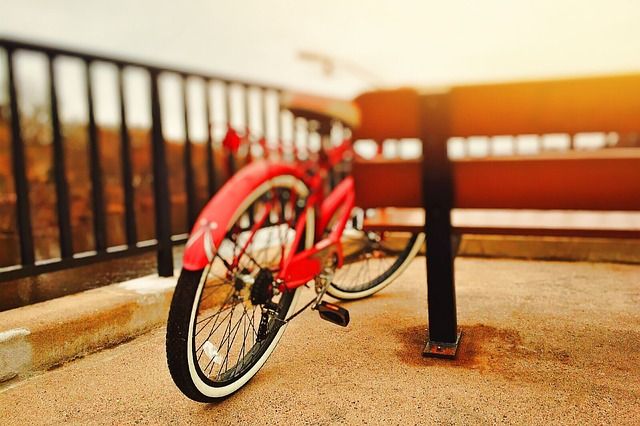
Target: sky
<point>372,43</point>
<point>369,43</point>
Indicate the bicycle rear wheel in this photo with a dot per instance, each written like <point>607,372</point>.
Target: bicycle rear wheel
<point>226,319</point>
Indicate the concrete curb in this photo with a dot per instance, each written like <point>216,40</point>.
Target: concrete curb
<point>551,248</point>
<point>41,336</point>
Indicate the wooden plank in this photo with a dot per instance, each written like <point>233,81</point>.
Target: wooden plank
<point>385,183</point>
<point>596,104</point>
<point>604,180</point>
<point>515,222</point>
<point>589,180</point>
<point>388,114</point>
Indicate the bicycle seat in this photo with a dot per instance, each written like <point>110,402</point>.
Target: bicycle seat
<point>322,109</point>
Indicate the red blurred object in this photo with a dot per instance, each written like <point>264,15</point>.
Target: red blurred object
<point>232,140</point>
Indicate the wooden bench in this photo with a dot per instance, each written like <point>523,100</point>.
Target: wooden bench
<point>602,181</point>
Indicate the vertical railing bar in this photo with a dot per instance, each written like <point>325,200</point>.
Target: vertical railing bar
<point>227,103</point>
<point>311,127</point>
<point>62,189</point>
<point>301,126</point>
<point>295,124</point>
<point>247,115</point>
<point>249,140</point>
<point>97,190</point>
<point>127,175</point>
<point>264,107</point>
<point>572,141</point>
<point>279,140</point>
<point>160,184</point>
<point>231,160</point>
<point>27,257</point>
<point>539,143</point>
<point>306,134</point>
<point>188,164</point>
<point>211,172</point>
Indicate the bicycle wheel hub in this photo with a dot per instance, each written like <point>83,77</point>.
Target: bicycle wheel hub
<point>262,289</point>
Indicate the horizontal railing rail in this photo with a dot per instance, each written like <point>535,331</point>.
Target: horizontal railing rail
<point>11,44</point>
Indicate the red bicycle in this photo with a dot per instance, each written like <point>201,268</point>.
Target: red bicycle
<point>272,228</point>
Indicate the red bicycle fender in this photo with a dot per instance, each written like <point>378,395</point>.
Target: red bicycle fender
<point>210,227</point>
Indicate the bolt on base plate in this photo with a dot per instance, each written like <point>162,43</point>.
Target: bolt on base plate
<point>442,349</point>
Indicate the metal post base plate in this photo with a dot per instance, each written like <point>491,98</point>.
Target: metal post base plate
<point>442,350</point>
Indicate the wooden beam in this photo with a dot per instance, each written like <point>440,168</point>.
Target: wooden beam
<point>588,180</point>
<point>588,224</point>
<point>597,104</point>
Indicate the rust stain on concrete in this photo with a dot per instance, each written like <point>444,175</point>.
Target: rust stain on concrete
<point>480,347</point>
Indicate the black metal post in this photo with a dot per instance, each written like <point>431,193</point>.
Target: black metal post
<point>160,185</point>
<point>211,171</point>
<point>188,165</point>
<point>438,200</point>
<point>19,171</point>
<point>62,188</point>
<point>97,190</point>
<point>125,159</point>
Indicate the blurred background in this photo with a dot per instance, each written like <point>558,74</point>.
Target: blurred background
<point>335,49</point>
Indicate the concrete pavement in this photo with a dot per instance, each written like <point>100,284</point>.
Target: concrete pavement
<point>37,337</point>
<point>544,343</point>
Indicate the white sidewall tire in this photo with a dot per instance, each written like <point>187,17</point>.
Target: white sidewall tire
<point>335,292</point>
<point>222,391</point>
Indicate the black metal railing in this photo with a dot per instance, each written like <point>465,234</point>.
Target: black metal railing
<point>164,238</point>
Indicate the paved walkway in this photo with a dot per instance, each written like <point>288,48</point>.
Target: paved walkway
<point>544,343</point>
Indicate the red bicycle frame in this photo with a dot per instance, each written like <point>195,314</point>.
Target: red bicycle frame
<point>296,269</point>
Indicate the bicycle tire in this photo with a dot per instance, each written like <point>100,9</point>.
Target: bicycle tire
<point>185,350</point>
<point>346,286</point>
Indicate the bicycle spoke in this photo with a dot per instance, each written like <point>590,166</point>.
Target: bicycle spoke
<point>217,348</point>
<point>222,305</point>
<point>241,352</point>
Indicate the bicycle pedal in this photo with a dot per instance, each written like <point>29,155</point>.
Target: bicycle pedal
<point>333,313</point>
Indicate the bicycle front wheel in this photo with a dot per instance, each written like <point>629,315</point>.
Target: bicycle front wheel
<point>372,261</point>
